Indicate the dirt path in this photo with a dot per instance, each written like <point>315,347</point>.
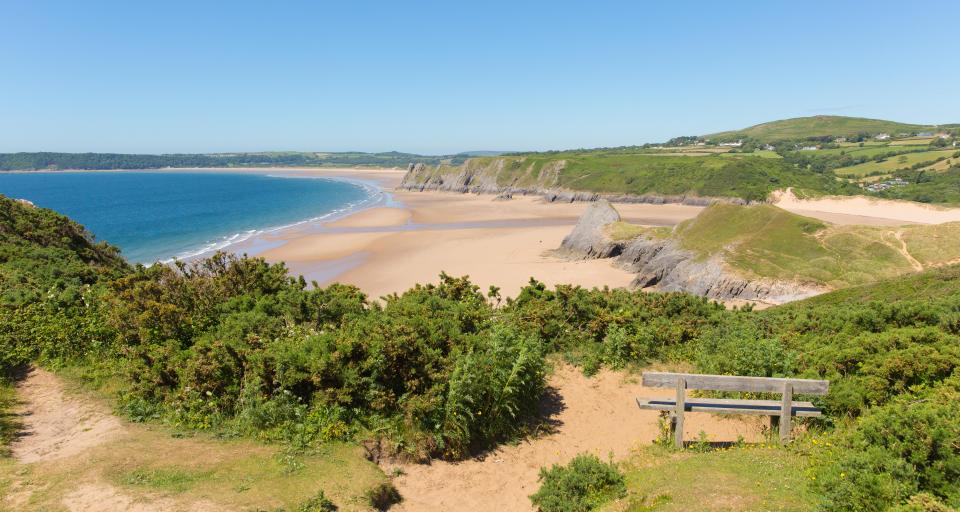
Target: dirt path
<point>57,425</point>
<point>902,249</point>
<point>596,415</point>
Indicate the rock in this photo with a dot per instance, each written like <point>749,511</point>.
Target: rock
<point>663,265</point>
<point>588,239</point>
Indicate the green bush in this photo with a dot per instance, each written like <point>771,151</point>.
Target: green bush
<point>909,446</point>
<point>582,485</point>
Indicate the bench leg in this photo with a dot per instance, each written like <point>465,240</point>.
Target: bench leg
<point>786,408</point>
<point>678,413</point>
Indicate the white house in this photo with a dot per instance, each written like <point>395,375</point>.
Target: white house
<point>882,136</point>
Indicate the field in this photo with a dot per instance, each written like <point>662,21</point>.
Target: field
<point>760,153</point>
<point>866,151</point>
<point>891,164</point>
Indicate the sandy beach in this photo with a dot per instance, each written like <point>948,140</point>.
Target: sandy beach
<point>413,236</point>
<point>391,248</point>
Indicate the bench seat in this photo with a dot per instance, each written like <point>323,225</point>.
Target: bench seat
<point>730,406</point>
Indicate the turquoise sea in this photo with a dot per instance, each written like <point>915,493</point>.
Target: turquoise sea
<point>156,216</point>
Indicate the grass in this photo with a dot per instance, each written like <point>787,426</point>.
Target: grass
<point>818,126</point>
<point>750,478</point>
<point>893,163</point>
<point>622,231</point>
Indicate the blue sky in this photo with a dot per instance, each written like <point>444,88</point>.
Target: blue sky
<point>439,77</point>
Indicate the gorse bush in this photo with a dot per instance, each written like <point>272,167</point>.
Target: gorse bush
<point>582,485</point>
<point>909,446</point>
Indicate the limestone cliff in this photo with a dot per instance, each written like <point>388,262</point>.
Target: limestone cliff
<point>507,177</point>
<point>661,264</point>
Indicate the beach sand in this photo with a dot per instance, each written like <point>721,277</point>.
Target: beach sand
<point>865,210</point>
<point>414,236</point>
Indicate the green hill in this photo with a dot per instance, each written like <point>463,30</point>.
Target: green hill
<point>818,126</point>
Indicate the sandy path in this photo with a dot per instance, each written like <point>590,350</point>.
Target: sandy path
<point>597,415</point>
<point>57,425</point>
<point>906,253</point>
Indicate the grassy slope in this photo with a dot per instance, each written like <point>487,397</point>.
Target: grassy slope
<point>818,126</point>
<point>619,172</point>
<point>765,241</point>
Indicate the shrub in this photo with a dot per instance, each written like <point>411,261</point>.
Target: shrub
<point>318,503</point>
<point>383,495</point>
<point>582,485</point>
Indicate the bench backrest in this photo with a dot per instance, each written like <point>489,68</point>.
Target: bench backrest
<point>735,383</point>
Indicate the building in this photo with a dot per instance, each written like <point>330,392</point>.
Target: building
<point>840,140</point>
<point>809,148</point>
<point>882,136</point>
<point>736,144</point>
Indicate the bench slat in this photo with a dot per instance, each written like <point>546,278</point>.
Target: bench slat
<point>730,406</point>
<point>735,383</point>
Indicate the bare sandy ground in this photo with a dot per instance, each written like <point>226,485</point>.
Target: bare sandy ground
<point>865,210</point>
<point>596,415</point>
<point>58,426</point>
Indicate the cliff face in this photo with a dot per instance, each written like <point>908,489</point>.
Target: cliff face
<point>663,265</point>
<point>506,178</point>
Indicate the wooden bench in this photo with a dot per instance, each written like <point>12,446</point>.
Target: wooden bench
<point>783,409</point>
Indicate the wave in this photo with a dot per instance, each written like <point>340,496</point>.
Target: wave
<point>375,197</point>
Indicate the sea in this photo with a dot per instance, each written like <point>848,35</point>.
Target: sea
<point>156,216</point>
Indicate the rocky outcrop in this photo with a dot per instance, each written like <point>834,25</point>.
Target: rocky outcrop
<point>588,240</point>
<point>483,179</point>
<point>661,264</point>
